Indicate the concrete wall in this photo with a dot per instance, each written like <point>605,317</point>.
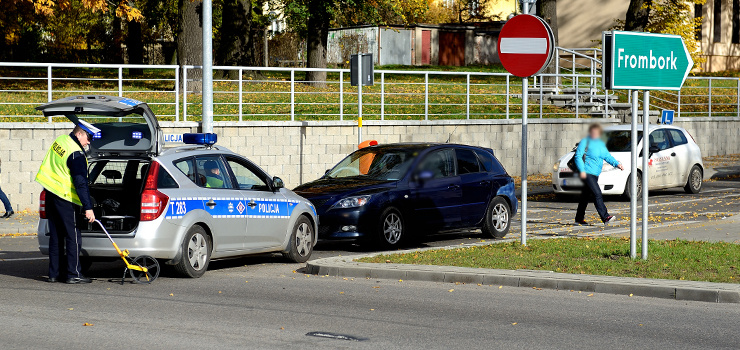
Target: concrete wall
<point>301,151</point>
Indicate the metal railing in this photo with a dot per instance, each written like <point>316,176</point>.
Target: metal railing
<point>23,86</point>
<point>281,93</point>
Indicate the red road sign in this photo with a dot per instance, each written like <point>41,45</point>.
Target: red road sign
<point>525,45</point>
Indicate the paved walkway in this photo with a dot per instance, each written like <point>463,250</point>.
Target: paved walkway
<point>20,223</point>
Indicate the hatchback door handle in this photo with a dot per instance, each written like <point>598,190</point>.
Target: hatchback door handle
<point>453,187</point>
<point>252,204</point>
<point>211,203</point>
<point>673,154</point>
<point>485,183</point>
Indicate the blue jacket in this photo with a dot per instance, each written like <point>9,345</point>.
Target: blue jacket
<point>595,156</point>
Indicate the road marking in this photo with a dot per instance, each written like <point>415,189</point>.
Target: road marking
<point>24,259</point>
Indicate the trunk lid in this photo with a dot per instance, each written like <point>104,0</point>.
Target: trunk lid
<point>127,126</point>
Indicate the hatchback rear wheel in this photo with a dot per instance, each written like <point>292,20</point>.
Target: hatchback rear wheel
<point>498,218</point>
<point>695,181</point>
<point>196,253</point>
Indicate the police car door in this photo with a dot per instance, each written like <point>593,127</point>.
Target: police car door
<point>268,212</point>
<point>221,199</point>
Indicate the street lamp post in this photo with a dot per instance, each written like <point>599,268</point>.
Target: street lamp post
<point>207,67</point>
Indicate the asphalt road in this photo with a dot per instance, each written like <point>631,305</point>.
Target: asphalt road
<point>260,302</point>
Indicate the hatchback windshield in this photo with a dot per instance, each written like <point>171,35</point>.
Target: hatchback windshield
<point>619,140</point>
<point>380,164</point>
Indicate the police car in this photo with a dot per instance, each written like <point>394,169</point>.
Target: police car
<point>674,161</point>
<point>185,205</point>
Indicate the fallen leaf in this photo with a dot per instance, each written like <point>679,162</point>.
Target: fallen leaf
<point>70,309</point>
<point>400,280</point>
<point>341,292</point>
<point>219,292</point>
<point>87,324</point>
<point>630,294</point>
<point>590,295</point>
<point>172,295</point>
<point>282,328</point>
<point>514,324</point>
<point>499,287</point>
<point>451,290</point>
<point>372,309</point>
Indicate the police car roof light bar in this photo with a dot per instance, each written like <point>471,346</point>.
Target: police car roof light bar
<point>206,139</point>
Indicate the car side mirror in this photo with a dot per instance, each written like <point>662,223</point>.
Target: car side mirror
<point>653,149</point>
<point>424,175</point>
<point>277,183</point>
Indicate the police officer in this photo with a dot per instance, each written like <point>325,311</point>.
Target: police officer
<point>63,174</point>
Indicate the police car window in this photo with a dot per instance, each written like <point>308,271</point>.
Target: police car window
<point>467,162</point>
<point>439,163</point>
<point>111,174</point>
<point>187,167</point>
<point>659,138</point>
<point>245,178</point>
<point>678,137</point>
<point>165,180</point>
<point>212,172</point>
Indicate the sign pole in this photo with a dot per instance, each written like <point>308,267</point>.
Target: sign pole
<point>525,97</point>
<point>633,178</point>
<point>359,99</point>
<point>645,170</point>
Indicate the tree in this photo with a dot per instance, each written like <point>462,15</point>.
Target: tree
<point>236,43</point>
<point>638,15</point>
<point>548,11</point>
<point>190,39</point>
<point>669,17</point>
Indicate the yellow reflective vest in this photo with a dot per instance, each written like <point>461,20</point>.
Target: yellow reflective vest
<point>54,174</point>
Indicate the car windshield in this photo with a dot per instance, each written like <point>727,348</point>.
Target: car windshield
<point>619,140</point>
<point>375,163</point>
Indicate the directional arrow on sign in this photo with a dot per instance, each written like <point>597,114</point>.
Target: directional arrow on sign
<point>648,61</point>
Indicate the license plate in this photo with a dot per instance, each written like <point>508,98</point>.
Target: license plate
<point>572,182</point>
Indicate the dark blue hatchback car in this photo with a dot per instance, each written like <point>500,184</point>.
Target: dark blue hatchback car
<point>389,192</point>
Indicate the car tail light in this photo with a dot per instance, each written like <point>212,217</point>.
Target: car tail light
<point>42,204</point>
<point>153,202</point>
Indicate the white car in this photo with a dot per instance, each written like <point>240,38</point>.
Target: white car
<point>675,161</point>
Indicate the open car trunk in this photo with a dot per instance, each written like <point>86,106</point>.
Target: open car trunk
<point>116,186</point>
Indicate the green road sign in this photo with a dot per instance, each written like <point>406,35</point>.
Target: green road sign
<point>645,61</point>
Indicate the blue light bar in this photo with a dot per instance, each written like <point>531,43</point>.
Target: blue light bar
<point>97,135</point>
<point>136,135</point>
<point>207,139</point>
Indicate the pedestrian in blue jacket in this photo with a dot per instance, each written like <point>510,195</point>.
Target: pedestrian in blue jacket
<point>590,156</point>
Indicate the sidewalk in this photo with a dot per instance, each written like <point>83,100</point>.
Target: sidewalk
<point>656,288</point>
<point>20,223</point>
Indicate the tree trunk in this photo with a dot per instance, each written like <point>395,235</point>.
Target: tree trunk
<point>548,10</point>
<point>236,46</point>
<point>190,41</point>
<point>317,40</point>
<point>638,15</point>
<point>135,47</point>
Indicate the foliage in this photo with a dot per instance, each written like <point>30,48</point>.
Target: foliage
<point>675,17</point>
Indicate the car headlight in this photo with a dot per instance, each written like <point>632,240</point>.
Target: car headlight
<point>556,166</point>
<point>352,202</point>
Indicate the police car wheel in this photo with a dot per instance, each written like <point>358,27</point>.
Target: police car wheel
<point>301,241</point>
<point>498,218</point>
<point>196,253</point>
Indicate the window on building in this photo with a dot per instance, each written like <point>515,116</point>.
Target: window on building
<point>736,21</point>
<point>717,20</point>
<point>698,12</point>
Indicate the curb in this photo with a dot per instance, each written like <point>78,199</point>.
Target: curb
<point>655,288</point>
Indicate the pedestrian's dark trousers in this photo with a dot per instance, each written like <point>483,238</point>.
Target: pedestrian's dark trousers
<point>6,202</point>
<point>63,233</point>
<point>591,192</point>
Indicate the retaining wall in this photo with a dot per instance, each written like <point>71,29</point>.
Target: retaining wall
<point>301,151</point>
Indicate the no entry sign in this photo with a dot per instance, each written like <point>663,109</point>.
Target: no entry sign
<point>525,45</point>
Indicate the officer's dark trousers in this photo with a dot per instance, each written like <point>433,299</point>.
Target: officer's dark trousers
<point>591,193</point>
<point>62,233</point>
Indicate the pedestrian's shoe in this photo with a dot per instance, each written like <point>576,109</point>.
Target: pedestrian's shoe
<point>581,222</point>
<point>78,280</point>
<point>8,214</point>
<point>610,220</point>
<point>51,280</point>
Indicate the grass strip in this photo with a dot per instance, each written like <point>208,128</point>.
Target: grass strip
<point>669,259</point>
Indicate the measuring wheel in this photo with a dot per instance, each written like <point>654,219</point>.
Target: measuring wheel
<point>152,266</point>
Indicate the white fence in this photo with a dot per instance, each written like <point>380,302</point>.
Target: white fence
<point>262,93</point>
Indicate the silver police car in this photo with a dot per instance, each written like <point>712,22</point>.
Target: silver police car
<point>185,205</point>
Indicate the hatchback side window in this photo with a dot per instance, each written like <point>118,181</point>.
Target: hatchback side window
<point>489,163</point>
<point>187,167</point>
<point>660,139</point>
<point>212,172</point>
<point>245,177</point>
<point>439,163</point>
<point>677,137</point>
<point>467,162</point>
